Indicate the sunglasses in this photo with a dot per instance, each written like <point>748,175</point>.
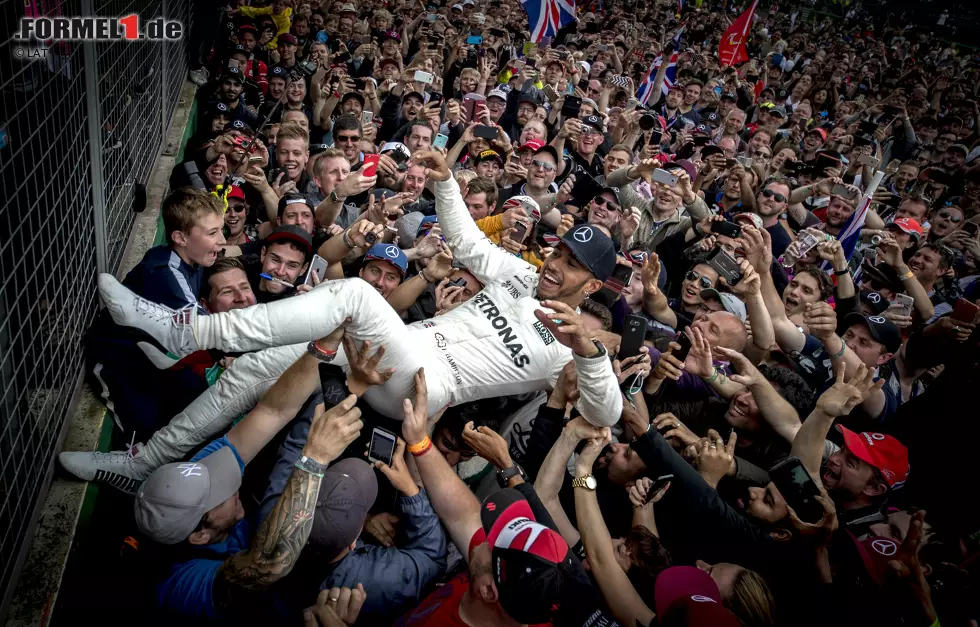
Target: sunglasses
<point>236,208</point>
<point>544,165</point>
<point>694,276</point>
<point>768,193</point>
<point>347,139</point>
<point>600,201</point>
<point>950,217</point>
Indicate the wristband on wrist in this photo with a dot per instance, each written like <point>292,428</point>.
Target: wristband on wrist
<point>841,272</point>
<point>425,450</point>
<point>908,275</point>
<point>714,375</point>
<point>320,353</point>
<point>419,446</point>
<point>843,347</point>
<point>347,241</point>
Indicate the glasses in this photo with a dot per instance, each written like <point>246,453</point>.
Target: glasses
<point>544,165</point>
<point>236,208</point>
<point>347,139</point>
<point>952,218</point>
<point>599,201</point>
<point>694,276</point>
<point>768,193</point>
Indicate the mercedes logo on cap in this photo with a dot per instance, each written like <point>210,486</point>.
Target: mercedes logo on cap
<point>876,319</point>
<point>885,547</point>
<point>874,297</point>
<point>582,234</point>
<point>392,252</point>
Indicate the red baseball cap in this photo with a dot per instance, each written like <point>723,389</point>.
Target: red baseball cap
<point>236,192</point>
<point>882,451</point>
<point>678,584</point>
<point>907,225</point>
<point>532,144</point>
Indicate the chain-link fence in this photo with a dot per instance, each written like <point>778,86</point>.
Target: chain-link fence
<point>80,127</point>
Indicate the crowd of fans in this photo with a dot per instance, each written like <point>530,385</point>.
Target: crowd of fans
<point>456,328</point>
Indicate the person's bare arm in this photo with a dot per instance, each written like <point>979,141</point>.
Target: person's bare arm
<point>654,301</point>
<point>454,503</point>
<point>282,536</point>
<point>551,476</point>
<point>402,297</point>
<point>623,600</point>
<point>758,247</point>
<point>775,409</point>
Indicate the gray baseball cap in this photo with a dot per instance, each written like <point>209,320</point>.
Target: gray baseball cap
<point>172,501</point>
<point>347,492</point>
<point>730,302</point>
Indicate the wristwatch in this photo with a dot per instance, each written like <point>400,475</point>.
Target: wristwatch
<point>311,466</point>
<point>588,482</point>
<point>602,350</point>
<point>504,475</point>
<point>334,197</point>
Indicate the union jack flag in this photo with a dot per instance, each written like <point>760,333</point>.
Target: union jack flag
<point>545,17</point>
<point>643,94</point>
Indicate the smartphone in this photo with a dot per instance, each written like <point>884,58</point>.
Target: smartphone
<point>746,162</point>
<point>333,384</point>
<point>797,488</point>
<point>360,84</point>
<point>423,77</point>
<point>550,92</point>
<point>701,140</point>
<point>730,163</point>
<point>906,301</point>
<point>367,117</point>
<point>665,177</point>
<point>806,242</point>
<point>255,159</point>
<point>725,265</point>
<point>868,160</point>
<point>485,132</point>
<point>435,97</point>
<point>520,231</point>
<point>964,310</point>
<point>971,228</point>
<point>440,141</point>
<point>370,167</point>
<point>728,229</point>
<point>571,107</point>
<point>685,346</point>
<point>584,84</point>
<point>843,192</point>
<point>382,447</point>
<point>318,266</point>
<point>498,32</point>
<point>474,40</point>
<point>470,102</point>
<point>634,332</point>
<point>343,57</point>
<point>431,17</point>
<point>658,485</point>
<point>825,161</point>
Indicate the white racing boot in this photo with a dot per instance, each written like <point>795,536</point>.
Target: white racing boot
<point>123,470</point>
<point>169,333</point>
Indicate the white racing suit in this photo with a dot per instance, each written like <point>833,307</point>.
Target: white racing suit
<point>491,345</point>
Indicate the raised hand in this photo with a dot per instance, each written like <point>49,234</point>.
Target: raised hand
<point>363,366</point>
<point>567,326</point>
<point>488,444</point>
<point>843,396</point>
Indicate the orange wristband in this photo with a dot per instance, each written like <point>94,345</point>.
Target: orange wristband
<point>420,446</point>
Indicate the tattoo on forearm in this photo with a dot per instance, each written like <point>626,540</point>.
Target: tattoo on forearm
<point>280,539</point>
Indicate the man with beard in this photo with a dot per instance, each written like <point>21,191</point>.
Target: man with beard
<point>400,107</point>
<point>229,92</point>
<point>839,211</point>
<point>770,204</point>
<point>539,184</point>
<point>384,267</point>
<point>278,79</point>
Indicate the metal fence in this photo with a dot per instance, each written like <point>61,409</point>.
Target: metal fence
<point>80,128</point>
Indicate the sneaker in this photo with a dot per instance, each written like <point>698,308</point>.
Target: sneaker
<point>169,331</point>
<point>123,470</point>
<point>199,77</point>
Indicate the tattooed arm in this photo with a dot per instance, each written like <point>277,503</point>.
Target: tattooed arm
<point>284,533</point>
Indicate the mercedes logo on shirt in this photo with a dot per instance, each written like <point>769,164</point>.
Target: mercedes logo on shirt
<point>582,234</point>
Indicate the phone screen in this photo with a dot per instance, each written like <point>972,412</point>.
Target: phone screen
<point>382,446</point>
<point>520,230</point>
<point>796,486</point>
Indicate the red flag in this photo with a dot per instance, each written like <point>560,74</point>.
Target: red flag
<point>731,51</point>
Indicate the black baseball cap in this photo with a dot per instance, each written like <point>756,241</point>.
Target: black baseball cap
<point>347,492</point>
<point>237,125</point>
<point>532,565</point>
<point>881,328</point>
<point>594,121</point>
<point>593,249</point>
<point>728,96</point>
<point>875,301</point>
<point>279,71</point>
<point>233,73</point>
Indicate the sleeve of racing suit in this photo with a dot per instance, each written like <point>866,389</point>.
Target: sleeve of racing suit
<point>488,262</point>
<point>600,400</point>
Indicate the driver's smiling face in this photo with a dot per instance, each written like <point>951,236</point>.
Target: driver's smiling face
<point>561,274</point>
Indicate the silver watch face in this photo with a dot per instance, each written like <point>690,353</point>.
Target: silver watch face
<point>590,482</point>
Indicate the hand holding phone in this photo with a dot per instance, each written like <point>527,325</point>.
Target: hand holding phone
<point>382,447</point>
<point>370,167</point>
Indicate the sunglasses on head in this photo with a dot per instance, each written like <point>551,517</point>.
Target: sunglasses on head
<point>600,201</point>
<point>768,193</point>
<point>694,276</point>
